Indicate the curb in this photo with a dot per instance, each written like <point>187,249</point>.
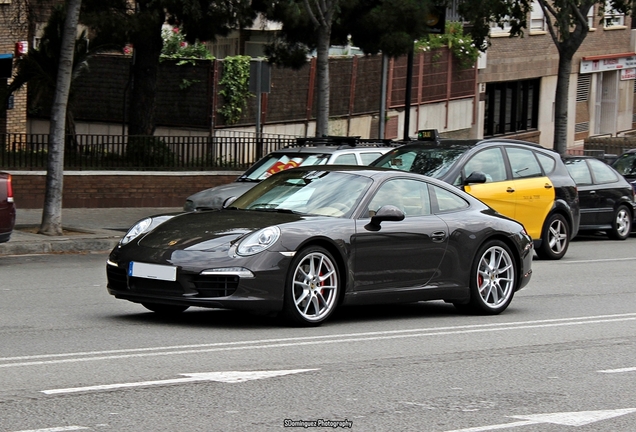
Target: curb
<point>84,241</point>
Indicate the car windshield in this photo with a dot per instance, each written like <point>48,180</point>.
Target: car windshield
<point>626,164</point>
<point>325,193</point>
<point>275,162</point>
<point>433,162</point>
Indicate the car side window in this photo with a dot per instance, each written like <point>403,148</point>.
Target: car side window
<point>601,172</point>
<point>346,159</point>
<point>579,171</point>
<point>490,162</point>
<point>548,163</point>
<point>447,201</point>
<point>523,163</point>
<point>369,157</point>
<point>410,196</point>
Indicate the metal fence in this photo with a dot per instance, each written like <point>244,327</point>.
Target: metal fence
<point>164,153</point>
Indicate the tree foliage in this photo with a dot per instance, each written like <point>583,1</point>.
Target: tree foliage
<point>388,26</point>
<point>140,23</point>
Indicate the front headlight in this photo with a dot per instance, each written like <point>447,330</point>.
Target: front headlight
<point>143,226</point>
<point>258,241</point>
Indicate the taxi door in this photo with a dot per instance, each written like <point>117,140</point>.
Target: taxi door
<point>498,191</point>
<point>533,190</point>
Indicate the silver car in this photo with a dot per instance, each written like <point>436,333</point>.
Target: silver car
<point>361,153</point>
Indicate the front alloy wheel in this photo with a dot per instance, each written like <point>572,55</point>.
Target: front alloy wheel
<point>555,238</point>
<point>312,291</point>
<point>493,280</point>
<point>621,224</point>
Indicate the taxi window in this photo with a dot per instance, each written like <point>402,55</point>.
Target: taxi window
<point>602,173</point>
<point>490,162</point>
<point>346,159</point>
<point>546,162</point>
<point>523,163</point>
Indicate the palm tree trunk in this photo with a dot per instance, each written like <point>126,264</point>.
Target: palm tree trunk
<point>322,75</point>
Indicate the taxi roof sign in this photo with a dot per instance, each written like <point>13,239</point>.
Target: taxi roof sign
<point>428,135</point>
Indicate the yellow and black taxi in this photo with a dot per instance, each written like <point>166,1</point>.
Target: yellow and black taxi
<point>518,179</point>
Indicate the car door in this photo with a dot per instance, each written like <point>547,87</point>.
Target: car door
<point>533,190</point>
<point>608,194</point>
<point>588,199</point>
<point>402,254</point>
<point>498,191</point>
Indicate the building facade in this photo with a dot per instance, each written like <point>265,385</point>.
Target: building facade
<point>517,82</point>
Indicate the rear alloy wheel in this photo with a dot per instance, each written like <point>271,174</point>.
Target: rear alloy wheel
<point>312,288</point>
<point>555,238</point>
<point>164,309</point>
<point>621,224</point>
<point>492,281</point>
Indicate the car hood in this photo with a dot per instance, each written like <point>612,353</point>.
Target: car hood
<point>213,198</point>
<point>210,230</point>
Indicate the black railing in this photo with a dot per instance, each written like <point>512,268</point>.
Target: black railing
<point>116,152</point>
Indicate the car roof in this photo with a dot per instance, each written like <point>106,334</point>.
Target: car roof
<point>334,144</point>
<point>471,143</point>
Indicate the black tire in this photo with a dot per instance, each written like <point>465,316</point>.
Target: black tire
<point>165,309</point>
<point>621,224</point>
<point>555,238</point>
<point>312,288</point>
<point>493,280</point>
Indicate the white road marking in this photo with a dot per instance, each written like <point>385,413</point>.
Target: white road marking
<point>581,418</point>
<point>48,359</point>
<point>596,260</point>
<point>621,370</point>
<point>225,377</point>
<point>56,429</point>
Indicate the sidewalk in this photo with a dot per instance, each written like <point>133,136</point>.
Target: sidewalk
<point>86,230</point>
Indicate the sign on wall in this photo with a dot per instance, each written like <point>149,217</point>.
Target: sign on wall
<point>607,64</point>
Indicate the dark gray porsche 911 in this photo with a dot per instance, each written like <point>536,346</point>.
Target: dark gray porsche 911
<point>309,239</point>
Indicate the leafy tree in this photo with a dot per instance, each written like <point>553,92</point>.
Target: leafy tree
<point>567,24</point>
<point>175,46</point>
<point>390,26</point>
<point>141,22</point>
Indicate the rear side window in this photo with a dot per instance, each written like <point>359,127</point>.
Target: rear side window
<point>602,173</point>
<point>579,171</point>
<point>523,163</point>
<point>546,162</point>
<point>448,201</point>
<point>346,159</point>
<point>369,157</point>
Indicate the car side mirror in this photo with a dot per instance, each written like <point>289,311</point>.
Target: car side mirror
<point>475,177</point>
<point>385,213</point>
<point>228,201</point>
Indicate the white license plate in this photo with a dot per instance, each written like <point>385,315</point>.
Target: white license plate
<point>152,271</point>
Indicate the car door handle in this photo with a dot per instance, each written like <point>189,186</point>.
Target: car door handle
<point>510,190</point>
<point>438,236</point>
<point>548,186</point>
<point>592,192</point>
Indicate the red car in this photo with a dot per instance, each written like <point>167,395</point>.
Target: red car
<point>7,207</point>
